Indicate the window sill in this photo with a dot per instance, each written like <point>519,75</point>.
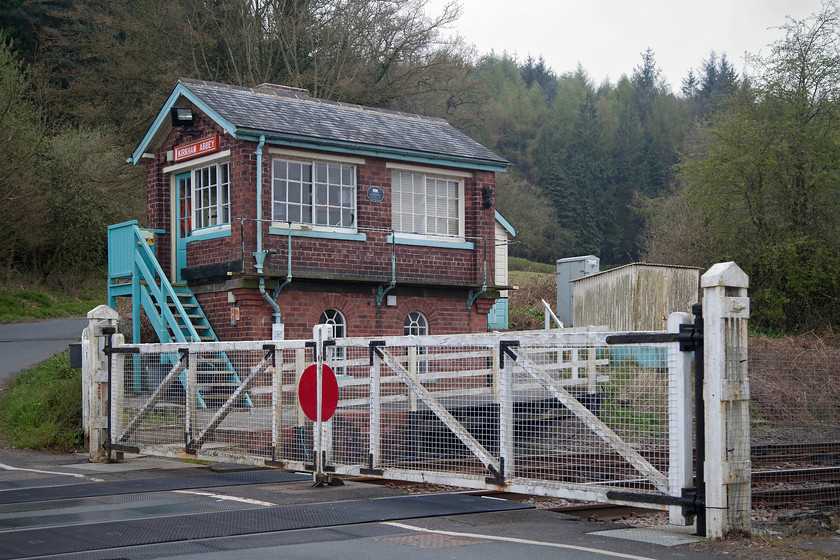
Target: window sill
<point>320,232</point>
<point>431,241</point>
<point>214,232</point>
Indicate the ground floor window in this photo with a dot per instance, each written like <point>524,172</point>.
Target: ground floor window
<point>416,324</point>
<point>336,319</point>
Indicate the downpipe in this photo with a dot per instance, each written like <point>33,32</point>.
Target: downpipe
<point>260,254</point>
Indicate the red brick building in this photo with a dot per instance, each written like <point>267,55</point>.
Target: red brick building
<point>278,208</point>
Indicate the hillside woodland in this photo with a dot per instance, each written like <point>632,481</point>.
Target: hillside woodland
<point>723,166</point>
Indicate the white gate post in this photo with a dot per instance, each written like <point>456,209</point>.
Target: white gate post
<point>726,309</point>
<point>680,407</point>
<point>95,389</point>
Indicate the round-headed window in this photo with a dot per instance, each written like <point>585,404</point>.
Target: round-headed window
<point>336,319</point>
<point>415,323</point>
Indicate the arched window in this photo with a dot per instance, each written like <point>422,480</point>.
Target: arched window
<point>415,323</point>
<point>336,319</point>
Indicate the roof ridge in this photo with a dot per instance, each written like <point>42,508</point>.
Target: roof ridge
<point>289,94</point>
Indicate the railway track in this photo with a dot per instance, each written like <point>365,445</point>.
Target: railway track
<point>784,476</point>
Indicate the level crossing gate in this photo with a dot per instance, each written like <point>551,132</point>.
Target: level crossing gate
<point>569,413</point>
<point>554,413</point>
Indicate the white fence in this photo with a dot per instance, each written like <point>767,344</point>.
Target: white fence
<point>555,413</point>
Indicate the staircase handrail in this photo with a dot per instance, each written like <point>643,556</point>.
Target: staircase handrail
<point>150,267</point>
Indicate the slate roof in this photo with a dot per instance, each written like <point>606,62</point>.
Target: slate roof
<point>283,112</point>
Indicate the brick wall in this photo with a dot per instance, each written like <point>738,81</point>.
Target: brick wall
<point>301,309</point>
<point>436,269</point>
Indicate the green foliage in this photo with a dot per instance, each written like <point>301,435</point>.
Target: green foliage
<point>42,408</point>
<point>762,186</point>
<point>88,187</point>
<point>796,285</point>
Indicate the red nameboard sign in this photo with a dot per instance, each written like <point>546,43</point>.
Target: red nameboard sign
<point>200,147</point>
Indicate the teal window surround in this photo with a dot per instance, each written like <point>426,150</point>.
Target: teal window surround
<point>197,235</point>
<point>318,234</point>
<point>400,240</point>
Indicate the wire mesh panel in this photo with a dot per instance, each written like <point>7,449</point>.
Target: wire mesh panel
<point>592,415</point>
<point>149,405</point>
<point>216,397</point>
<point>439,409</point>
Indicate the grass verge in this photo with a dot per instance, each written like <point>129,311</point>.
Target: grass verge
<point>28,304</point>
<point>24,298</point>
<point>42,408</point>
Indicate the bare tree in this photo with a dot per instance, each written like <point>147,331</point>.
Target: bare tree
<point>369,51</point>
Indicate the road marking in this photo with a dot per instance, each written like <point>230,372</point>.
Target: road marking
<point>11,468</point>
<point>519,541</point>
<point>224,497</point>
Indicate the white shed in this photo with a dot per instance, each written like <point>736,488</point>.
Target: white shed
<point>635,297</point>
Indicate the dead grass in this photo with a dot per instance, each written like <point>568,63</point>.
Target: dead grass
<point>526,308</point>
<point>794,380</point>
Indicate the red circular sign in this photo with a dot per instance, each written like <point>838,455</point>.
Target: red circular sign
<point>308,392</point>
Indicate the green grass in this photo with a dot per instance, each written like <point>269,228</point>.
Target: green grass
<point>22,302</point>
<point>517,264</point>
<point>42,408</point>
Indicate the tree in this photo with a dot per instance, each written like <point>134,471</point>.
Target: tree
<point>539,235</point>
<point>21,134</point>
<point>765,180</point>
<point>363,51</point>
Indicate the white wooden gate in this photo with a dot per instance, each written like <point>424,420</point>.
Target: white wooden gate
<point>555,413</point>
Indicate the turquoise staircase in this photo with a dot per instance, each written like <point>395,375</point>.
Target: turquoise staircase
<point>173,311</point>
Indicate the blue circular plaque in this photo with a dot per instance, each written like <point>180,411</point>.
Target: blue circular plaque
<point>375,194</point>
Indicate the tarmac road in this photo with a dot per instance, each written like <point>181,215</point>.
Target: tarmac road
<point>51,506</point>
<point>23,345</point>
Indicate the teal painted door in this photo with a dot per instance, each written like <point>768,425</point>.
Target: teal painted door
<point>183,218</point>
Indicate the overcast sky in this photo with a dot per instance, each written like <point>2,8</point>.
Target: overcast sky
<point>607,37</point>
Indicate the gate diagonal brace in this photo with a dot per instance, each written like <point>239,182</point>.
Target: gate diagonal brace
<point>495,467</point>
<point>594,423</point>
<point>266,363</point>
<point>157,395</point>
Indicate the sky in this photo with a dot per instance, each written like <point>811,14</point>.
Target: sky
<point>607,37</point>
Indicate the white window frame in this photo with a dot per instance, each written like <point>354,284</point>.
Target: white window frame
<point>425,176</point>
<point>416,324</point>
<point>336,318</point>
<point>218,210</point>
<point>314,206</point>
<point>217,159</point>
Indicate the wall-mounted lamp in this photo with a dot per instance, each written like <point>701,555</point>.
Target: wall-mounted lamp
<point>487,197</point>
<point>182,116</point>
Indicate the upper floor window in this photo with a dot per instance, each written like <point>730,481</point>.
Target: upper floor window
<point>426,205</point>
<point>211,195</point>
<point>314,192</point>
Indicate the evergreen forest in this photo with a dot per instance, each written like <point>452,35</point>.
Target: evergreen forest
<point>724,166</point>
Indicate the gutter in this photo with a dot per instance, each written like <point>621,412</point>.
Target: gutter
<point>298,141</point>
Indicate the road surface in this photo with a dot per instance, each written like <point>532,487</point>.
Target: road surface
<point>23,345</point>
